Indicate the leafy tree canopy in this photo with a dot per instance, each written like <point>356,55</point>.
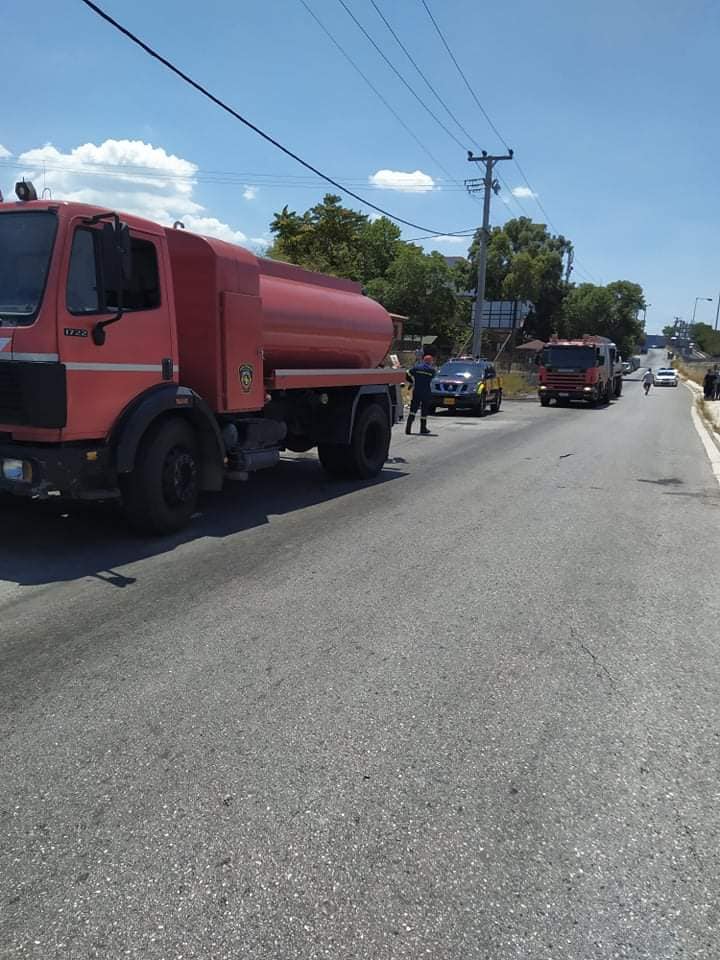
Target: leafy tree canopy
<point>706,338</point>
<point>609,311</point>
<point>525,262</point>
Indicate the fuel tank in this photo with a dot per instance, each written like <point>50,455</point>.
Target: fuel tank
<point>315,321</point>
<point>297,319</point>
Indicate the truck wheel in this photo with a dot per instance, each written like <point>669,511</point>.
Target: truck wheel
<point>544,401</point>
<point>495,405</point>
<point>481,409</point>
<point>366,453</point>
<point>161,493</point>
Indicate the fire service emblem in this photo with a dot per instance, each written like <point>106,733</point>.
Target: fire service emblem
<point>246,377</point>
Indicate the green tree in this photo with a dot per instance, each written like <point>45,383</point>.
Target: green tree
<point>380,244</point>
<point>707,339</point>
<point>610,311</point>
<point>326,238</point>
<point>421,287</point>
<point>525,262</point>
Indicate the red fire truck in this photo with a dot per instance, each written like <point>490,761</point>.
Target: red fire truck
<point>588,369</point>
<point>147,364</point>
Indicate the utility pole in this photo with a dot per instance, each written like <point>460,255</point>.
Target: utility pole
<point>717,312</point>
<point>488,185</point>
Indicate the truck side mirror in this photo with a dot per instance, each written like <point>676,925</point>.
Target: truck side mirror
<point>116,255</point>
<point>116,260</point>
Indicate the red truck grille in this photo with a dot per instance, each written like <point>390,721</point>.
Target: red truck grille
<point>565,381</point>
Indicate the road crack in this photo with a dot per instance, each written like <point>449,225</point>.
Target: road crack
<point>593,656</point>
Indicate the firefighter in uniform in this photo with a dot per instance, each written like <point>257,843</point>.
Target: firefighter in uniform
<point>420,376</point>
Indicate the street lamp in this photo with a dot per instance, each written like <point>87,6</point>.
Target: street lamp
<point>697,299</point>
<point>645,310</point>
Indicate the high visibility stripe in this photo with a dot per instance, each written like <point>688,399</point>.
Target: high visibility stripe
<point>120,367</point>
<point>30,357</point>
<point>111,367</point>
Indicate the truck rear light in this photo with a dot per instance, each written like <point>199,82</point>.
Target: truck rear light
<point>18,471</point>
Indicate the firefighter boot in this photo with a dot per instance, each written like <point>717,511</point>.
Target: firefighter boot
<point>424,427</point>
<point>408,425</point>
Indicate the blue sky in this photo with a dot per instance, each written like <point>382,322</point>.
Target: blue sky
<point>611,108</point>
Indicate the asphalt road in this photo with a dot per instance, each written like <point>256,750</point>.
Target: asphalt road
<point>469,711</point>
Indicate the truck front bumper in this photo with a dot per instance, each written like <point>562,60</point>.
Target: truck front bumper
<point>553,393</point>
<point>68,471</point>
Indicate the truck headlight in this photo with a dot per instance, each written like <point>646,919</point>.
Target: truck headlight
<point>587,389</point>
<point>16,470</point>
<point>543,387</point>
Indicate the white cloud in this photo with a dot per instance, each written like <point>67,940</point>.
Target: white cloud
<point>523,193</point>
<point>128,175</point>
<point>250,192</point>
<point>449,239</point>
<point>212,227</point>
<point>417,182</point>
<point>4,152</point>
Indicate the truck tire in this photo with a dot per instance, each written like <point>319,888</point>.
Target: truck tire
<point>364,457</point>
<point>161,493</point>
<point>544,401</point>
<point>497,402</point>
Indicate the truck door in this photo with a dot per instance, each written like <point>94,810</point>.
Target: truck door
<point>139,350</point>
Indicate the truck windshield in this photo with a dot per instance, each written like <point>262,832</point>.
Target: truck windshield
<point>26,242</point>
<point>576,358</point>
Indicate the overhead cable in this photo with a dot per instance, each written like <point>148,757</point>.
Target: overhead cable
<point>238,116</point>
<point>484,112</point>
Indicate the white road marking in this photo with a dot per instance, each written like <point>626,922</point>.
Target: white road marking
<point>707,441</point>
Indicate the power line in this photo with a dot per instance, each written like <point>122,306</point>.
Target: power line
<point>397,73</point>
<point>428,84</point>
<point>462,74</point>
<point>98,168</point>
<point>484,112</point>
<point>402,79</point>
<point>336,43</point>
<point>233,113</point>
<point>439,236</point>
<point>372,86</point>
<point>441,101</point>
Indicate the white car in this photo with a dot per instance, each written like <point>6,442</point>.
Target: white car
<point>666,377</point>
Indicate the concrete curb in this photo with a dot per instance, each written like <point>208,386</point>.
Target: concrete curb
<point>709,439</point>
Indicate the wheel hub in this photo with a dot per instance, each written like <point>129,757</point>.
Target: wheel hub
<point>179,476</point>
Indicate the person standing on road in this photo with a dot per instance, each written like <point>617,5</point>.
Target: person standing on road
<point>420,377</point>
<point>648,380</point>
<point>716,391</point>
<point>710,383</point>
